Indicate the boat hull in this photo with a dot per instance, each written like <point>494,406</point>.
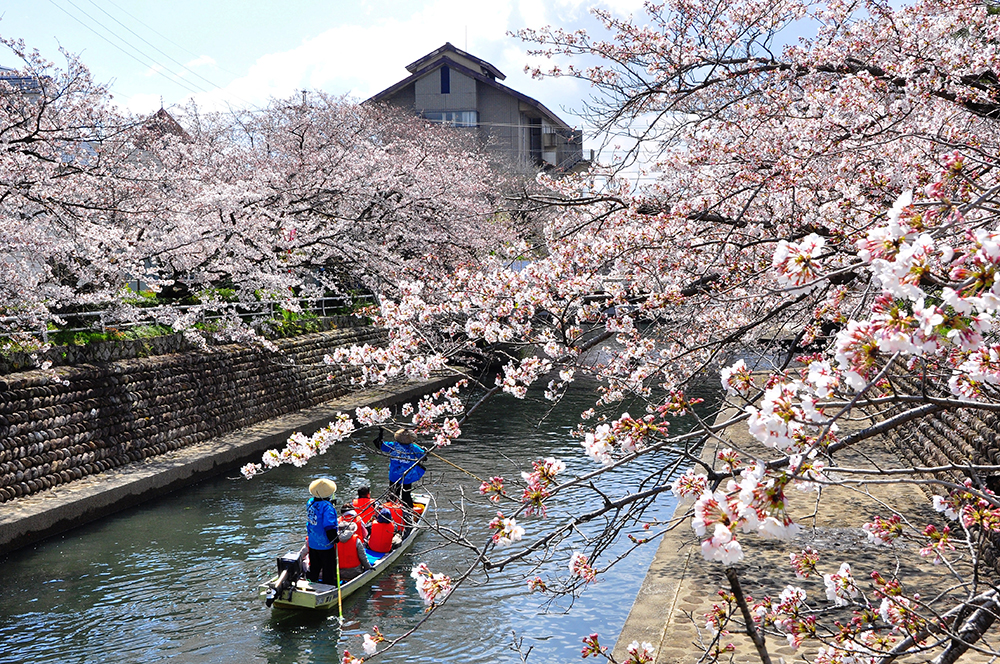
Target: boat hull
<point>304,594</point>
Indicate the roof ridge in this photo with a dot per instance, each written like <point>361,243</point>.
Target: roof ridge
<point>441,52</point>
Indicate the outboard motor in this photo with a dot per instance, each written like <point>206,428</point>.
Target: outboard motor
<point>289,571</point>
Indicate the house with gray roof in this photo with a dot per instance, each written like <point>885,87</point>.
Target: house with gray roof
<point>14,81</point>
<point>456,88</point>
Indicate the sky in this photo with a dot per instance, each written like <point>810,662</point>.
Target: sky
<point>245,52</point>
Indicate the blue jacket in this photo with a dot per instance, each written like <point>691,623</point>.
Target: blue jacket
<point>403,459</point>
<point>320,515</point>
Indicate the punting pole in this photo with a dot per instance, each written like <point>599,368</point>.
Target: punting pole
<point>340,596</point>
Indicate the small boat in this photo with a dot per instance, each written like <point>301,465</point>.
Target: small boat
<point>289,589</point>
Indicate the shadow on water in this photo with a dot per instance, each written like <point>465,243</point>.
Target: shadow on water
<point>176,579</point>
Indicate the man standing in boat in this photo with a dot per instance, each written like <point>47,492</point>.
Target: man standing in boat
<point>321,531</point>
<point>404,465</point>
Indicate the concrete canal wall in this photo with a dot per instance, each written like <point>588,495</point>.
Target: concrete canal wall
<point>681,587</point>
<point>91,439</point>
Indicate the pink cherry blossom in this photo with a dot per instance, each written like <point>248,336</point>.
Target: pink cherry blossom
<point>841,588</point>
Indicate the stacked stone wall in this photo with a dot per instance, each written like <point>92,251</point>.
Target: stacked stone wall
<point>950,437</point>
<point>112,351</point>
<point>61,425</point>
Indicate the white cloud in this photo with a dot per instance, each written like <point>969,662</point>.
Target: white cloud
<point>353,60</point>
<point>621,8</point>
<point>361,60</point>
<point>143,104</point>
<point>200,60</point>
<point>533,14</point>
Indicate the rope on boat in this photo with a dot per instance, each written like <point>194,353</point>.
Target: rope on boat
<point>455,465</point>
<point>429,452</point>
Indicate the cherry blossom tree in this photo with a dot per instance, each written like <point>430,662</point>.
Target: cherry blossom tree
<point>369,192</point>
<point>296,199</point>
<point>819,225</point>
<point>69,190</point>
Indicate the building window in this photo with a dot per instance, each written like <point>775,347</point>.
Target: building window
<point>453,118</point>
<point>445,81</point>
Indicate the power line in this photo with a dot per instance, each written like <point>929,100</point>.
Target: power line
<point>186,84</point>
<point>155,68</point>
<point>153,30</point>
<point>166,55</point>
<point>179,79</point>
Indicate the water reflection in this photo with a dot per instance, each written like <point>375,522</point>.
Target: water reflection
<point>176,578</point>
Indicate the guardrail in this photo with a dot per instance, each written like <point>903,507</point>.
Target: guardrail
<point>252,312</point>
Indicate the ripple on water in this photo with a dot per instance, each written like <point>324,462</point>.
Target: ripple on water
<point>176,578</point>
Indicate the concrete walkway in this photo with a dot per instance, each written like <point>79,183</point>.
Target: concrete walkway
<point>681,586</point>
<point>33,518</point>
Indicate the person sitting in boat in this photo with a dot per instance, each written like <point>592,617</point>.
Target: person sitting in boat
<point>349,516</point>
<point>383,536</point>
<point>398,514</point>
<point>321,531</point>
<point>351,553</point>
<point>405,465</point>
<point>364,505</point>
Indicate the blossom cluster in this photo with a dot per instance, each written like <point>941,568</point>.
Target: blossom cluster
<point>516,379</point>
<point>797,264</point>
<point>884,531</point>
<point>804,562</point>
<point>755,503</point>
<point>579,567</point>
<point>431,586</point>
<point>505,530</point>
<point>640,653</point>
<point>301,448</point>
<point>789,417</point>
<point>370,643</point>
<point>536,584</point>
<point>841,588</point>
<point>492,488</point>
<point>592,646</point>
<point>971,507</point>
<point>628,434</point>
<point>689,486</point>
<point>538,482</point>
<point>367,417</point>
<point>787,614</point>
<point>430,414</point>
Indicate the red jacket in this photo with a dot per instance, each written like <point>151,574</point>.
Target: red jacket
<point>380,540</point>
<point>356,520</point>
<point>397,514</point>
<point>365,509</point>
<point>347,553</point>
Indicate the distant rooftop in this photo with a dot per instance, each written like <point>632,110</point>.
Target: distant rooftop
<point>18,81</point>
<point>487,68</point>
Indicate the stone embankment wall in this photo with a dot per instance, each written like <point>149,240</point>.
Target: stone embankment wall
<point>112,351</point>
<point>64,424</point>
<point>951,437</point>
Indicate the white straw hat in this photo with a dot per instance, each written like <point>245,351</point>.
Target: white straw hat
<point>324,487</point>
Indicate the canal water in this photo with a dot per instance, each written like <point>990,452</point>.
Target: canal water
<point>176,579</point>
